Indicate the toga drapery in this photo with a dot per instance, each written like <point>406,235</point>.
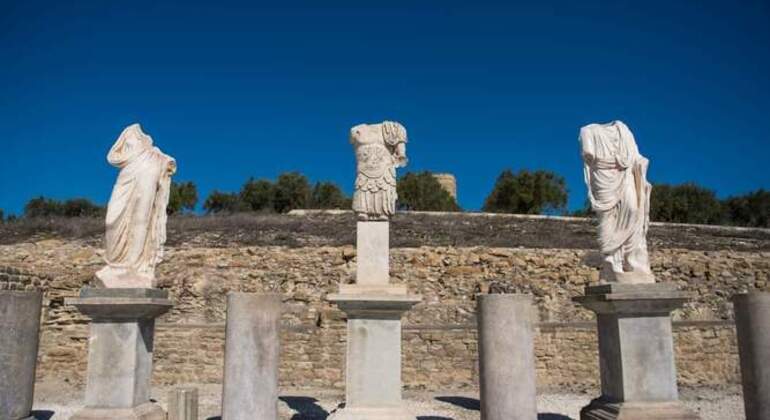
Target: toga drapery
<point>616,176</point>
<point>136,214</point>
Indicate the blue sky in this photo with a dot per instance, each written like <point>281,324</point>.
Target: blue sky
<point>234,90</point>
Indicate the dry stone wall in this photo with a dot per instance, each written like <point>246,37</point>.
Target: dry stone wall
<point>439,335</point>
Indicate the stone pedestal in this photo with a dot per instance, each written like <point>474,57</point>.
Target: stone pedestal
<point>120,349</point>
<point>19,339</point>
<point>373,371</point>
<point>752,321</point>
<point>507,357</point>
<point>252,347</point>
<point>374,308</point>
<point>636,352</point>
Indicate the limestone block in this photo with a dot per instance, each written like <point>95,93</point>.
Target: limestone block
<point>372,253</point>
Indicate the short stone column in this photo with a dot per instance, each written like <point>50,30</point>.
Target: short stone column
<point>506,357</point>
<point>636,352</point>
<point>252,348</point>
<point>19,339</point>
<point>752,321</point>
<point>183,404</point>
<point>120,350</point>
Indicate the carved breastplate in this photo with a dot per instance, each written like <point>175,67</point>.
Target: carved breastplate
<point>374,160</point>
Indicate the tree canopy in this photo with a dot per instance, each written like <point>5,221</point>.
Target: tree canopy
<point>527,193</point>
<point>685,203</point>
<point>421,191</point>
<point>182,197</point>
<point>292,191</point>
<point>327,195</point>
<point>48,207</point>
<point>258,195</point>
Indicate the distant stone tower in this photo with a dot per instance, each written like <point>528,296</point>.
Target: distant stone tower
<point>448,182</point>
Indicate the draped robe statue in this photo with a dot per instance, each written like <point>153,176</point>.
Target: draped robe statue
<point>380,149</point>
<point>616,176</point>
<point>136,213</point>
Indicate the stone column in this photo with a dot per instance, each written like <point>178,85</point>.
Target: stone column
<point>252,347</point>
<point>752,321</point>
<point>374,308</point>
<point>506,357</point>
<point>636,352</point>
<point>20,326</point>
<point>183,404</point>
<point>120,350</point>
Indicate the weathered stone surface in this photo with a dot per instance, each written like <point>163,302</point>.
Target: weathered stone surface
<point>183,404</point>
<point>636,352</point>
<point>616,177</point>
<point>136,213</point>
<point>600,409</point>
<point>251,357</point>
<point>752,318</point>
<point>373,364</point>
<point>373,253</point>
<point>19,338</point>
<point>120,352</point>
<point>211,257</point>
<point>148,411</point>
<point>507,357</point>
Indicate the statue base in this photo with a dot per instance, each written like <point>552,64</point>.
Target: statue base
<point>120,349</point>
<point>604,410</point>
<point>636,352</point>
<point>373,370</point>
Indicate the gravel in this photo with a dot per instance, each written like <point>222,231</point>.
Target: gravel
<point>58,401</point>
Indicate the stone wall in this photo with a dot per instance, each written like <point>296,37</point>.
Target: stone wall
<point>439,334</point>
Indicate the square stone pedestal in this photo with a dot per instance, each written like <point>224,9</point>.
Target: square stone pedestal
<point>373,371</point>
<point>636,352</point>
<point>120,352</point>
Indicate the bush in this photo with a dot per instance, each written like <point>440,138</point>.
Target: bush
<point>685,203</point>
<point>292,191</point>
<point>47,207</point>
<point>221,202</point>
<point>257,195</point>
<point>183,196</point>
<point>422,192</point>
<point>327,195</point>
<point>752,209</point>
<point>527,193</point>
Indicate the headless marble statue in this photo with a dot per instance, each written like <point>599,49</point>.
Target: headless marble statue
<point>380,149</point>
<point>136,213</point>
<point>616,177</point>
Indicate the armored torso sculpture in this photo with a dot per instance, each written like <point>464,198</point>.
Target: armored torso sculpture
<point>616,177</point>
<point>136,213</point>
<point>380,149</point>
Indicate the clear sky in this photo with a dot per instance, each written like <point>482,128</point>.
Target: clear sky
<point>234,90</point>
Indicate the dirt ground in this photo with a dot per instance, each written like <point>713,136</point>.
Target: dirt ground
<point>58,401</point>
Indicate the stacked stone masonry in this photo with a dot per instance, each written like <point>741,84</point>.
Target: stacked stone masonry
<point>439,338</point>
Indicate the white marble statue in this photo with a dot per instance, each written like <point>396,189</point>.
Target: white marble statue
<point>380,149</point>
<point>136,213</point>
<point>616,177</point>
